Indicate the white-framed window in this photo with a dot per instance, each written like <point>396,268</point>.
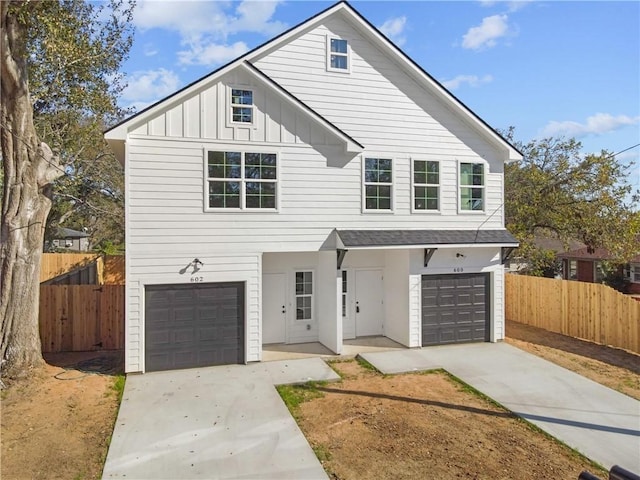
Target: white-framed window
<point>636,274</point>
<point>378,184</point>
<point>598,273</point>
<point>426,185</point>
<point>472,186</point>
<point>304,295</point>
<point>344,293</point>
<point>573,270</point>
<point>338,55</point>
<point>241,105</point>
<point>626,271</point>
<point>241,180</point>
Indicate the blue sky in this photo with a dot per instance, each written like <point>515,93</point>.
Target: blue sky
<point>560,68</point>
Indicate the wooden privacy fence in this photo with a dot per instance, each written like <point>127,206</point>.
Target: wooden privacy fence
<point>589,311</point>
<point>109,268</point>
<point>75,318</point>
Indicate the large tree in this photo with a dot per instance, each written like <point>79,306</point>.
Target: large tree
<point>60,61</point>
<point>559,191</point>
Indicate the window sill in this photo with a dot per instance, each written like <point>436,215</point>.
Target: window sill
<point>379,212</point>
<point>338,70</point>
<point>241,210</point>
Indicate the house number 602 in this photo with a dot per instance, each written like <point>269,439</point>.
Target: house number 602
<point>197,279</point>
<point>458,270</point>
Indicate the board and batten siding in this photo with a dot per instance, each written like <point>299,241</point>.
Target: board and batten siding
<point>205,115</point>
<point>152,269</point>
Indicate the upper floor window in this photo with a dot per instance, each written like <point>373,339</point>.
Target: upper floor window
<point>426,185</point>
<point>472,186</point>
<point>241,106</point>
<point>337,55</point>
<point>242,180</point>
<point>378,183</point>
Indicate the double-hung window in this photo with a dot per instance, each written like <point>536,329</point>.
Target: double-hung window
<point>337,55</point>
<point>304,295</point>
<point>472,185</point>
<point>378,183</point>
<point>426,185</point>
<point>241,105</point>
<point>242,180</point>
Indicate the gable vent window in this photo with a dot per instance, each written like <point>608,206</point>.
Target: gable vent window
<point>241,106</point>
<point>239,180</point>
<point>337,55</point>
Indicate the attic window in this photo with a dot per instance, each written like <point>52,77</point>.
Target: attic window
<point>241,106</point>
<point>337,55</point>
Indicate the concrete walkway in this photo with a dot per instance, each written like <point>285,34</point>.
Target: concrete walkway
<point>599,422</point>
<point>223,422</point>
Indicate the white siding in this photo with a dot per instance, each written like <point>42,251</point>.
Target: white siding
<point>396,300</point>
<point>319,184</point>
<point>498,330</point>
<point>383,108</point>
<point>149,269</point>
<point>166,201</point>
<point>205,115</point>
<point>446,261</point>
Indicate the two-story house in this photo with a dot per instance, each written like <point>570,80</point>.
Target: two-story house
<point>320,187</point>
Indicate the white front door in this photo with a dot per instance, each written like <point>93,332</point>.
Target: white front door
<point>369,302</point>
<point>274,316</point>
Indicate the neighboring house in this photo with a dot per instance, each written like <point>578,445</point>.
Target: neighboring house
<point>319,188</point>
<point>68,239</point>
<point>586,265</point>
<point>515,263</point>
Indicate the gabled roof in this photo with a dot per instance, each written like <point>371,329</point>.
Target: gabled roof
<point>594,254</point>
<point>423,238</point>
<point>63,232</point>
<point>119,131</point>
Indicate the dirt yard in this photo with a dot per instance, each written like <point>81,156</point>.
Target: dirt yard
<point>613,367</point>
<point>371,426</point>
<point>57,424</point>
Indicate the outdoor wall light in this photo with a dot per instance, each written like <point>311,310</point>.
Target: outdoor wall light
<point>459,255</point>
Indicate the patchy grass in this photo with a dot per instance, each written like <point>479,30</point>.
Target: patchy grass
<point>366,365</point>
<point>295,395</point>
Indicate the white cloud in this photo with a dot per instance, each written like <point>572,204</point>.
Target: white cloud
<point>512,6</point>
<point>149,50</point>
<point>597,124</point>
<point>486,34</point>
<point>148,86</point>
<point>201,53</point>
<point>471,80</point>
<point>204,27</point>
<point>394,28</point>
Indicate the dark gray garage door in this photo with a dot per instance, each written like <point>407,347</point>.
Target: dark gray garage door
<point>193,325</point>
<point>455,308</point>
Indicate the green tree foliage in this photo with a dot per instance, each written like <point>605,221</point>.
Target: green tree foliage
<point>60,62</point>
<point>558,191</point>
<point>77,49</point>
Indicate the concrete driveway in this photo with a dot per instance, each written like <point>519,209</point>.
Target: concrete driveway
<point>599,422</point>
<point>223,422</point>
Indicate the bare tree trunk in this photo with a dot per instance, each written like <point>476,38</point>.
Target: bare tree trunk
<point>29,168</point>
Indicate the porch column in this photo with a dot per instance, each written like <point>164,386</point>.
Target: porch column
<point>329,296</point>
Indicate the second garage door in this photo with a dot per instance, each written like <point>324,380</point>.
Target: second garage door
<point>455,308</point>
<point>193,325</point>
